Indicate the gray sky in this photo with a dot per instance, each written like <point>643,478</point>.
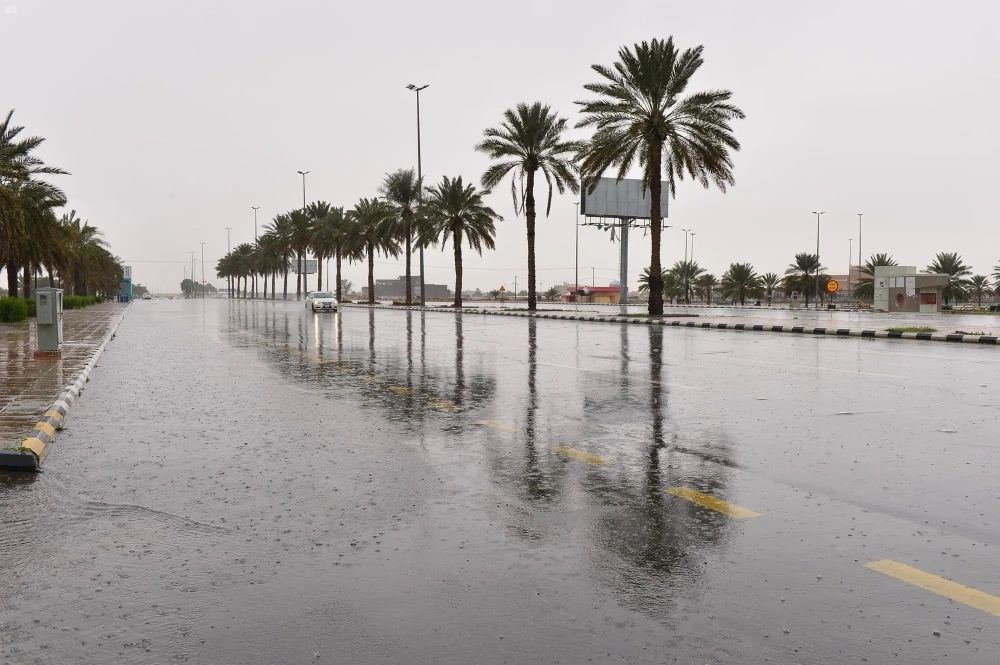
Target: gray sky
<point>176,117</point>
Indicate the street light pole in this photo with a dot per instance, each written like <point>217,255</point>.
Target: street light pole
<point>823,212</point>
<point>576,263</point>
<point>256,208</point>
<point>203,270</point>
<point>859,246</point>
<point>302,276</point>
<point>692,247</point>
<point>850,255</point>
<point>229,249</point>
<point>420,175</point>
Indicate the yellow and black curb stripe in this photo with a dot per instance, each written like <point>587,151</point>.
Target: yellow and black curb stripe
<point>991,340</point>
<point>32,449</point>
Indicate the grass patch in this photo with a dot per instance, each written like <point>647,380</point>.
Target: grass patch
<point>913,329</point>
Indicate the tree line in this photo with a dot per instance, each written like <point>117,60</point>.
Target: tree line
<point>34,239</point>
<point>640,116</point>
<point>741,282</point>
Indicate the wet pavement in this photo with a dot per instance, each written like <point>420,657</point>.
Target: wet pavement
<point>252,483</point>
<point>29,385</point>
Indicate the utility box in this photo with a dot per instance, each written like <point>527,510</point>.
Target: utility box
<point>49,318</point>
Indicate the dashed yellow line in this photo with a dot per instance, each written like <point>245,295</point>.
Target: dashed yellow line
<point>499,425</point>
<point>938,585</point>
<point>581,455</point>
<point>711,502</point>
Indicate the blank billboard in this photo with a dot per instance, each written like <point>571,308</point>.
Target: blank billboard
<point>620,198</point>
<point>309,266</point>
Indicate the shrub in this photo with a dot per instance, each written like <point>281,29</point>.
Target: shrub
<point>13,310</point>
<point>32,307</point>
<point>78,302</point>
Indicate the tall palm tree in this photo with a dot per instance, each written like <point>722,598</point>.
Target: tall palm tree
<point>640,119</point>
<point>801,274</point>
<point>684,273</point>
<point>528,140</point>
<point>705,285</point>
<point>85,244</point>
<point>769,281</point>
<point>401,189</point>
<point>281,230</point>
<point>370,218</point>
<point>317,212</point>
<point>866,281</point>
<point>300,224</point>
<point>670,286</point>
<point>979,286</point>
<point>951,264</point>
<point>456,210</point>
<point>996,278</point>
<point>740,281</point>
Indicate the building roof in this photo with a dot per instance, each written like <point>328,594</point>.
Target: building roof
<point>597,289</point>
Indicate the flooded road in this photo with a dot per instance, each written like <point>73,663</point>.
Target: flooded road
<point>251,483</point>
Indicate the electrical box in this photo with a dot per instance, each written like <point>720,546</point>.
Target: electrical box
<point>49,318</point>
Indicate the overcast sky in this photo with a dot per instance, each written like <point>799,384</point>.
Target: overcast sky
<point>175,117</point>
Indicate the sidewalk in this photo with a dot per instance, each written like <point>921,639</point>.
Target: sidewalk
<point>29,386</point>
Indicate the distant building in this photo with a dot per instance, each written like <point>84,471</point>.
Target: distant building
<point>395,289</point>
<point>597,295</point>
<point>903,289</point>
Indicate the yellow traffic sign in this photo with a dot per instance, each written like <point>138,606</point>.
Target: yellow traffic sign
<point>832,286</point>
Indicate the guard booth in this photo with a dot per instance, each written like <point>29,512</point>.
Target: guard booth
<point>49,319</point>
<point>903,289</point>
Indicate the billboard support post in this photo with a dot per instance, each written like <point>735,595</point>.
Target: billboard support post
<point>623,276</point>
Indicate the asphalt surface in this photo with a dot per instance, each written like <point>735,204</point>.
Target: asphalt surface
<point>251,483</point>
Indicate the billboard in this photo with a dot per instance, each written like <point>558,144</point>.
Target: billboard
<point>308,265</point>
<point>620,198</point>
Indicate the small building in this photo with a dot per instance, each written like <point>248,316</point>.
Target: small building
<point>597,295</point>
<point>396,289</point>
<point>903,289</point>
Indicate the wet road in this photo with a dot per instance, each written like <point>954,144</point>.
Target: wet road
<point>250,483</point>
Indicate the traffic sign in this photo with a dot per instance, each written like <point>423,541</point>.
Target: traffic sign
<point>503,288</point>
<point>832,286</point>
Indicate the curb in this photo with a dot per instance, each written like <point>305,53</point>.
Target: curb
<point>991,340</point>
<point>34,449</point>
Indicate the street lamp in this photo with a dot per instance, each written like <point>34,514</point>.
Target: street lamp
<point>692,247</point>
<point>686,232</point>
<point>859,250</point>
<point>818,214</point>
<point>420,195</point>
<point>576,268</point>
<point>203,271</point>
<point>256,208</point>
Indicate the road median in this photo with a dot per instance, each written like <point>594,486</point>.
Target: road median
<point>667,321</point>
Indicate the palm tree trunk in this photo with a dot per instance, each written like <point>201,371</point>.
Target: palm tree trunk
<point>298,276</point>
<point>11,279</point>
<point>319,272</point>
<point>457,240</point>
<point>371,274</point>
<point>338,275</point>
<point>409,288</point>
<point>284,294</point>
<point>529,215</point>
<point>655,230</point>
<point>272,285</point>
<point>27,282</point>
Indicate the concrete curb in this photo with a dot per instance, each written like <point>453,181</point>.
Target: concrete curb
<point>991,340</point>
<point>33,449</point>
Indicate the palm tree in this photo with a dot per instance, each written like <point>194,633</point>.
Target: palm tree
<point>317,211</point>
<point>769,281</point>
<point>456,210</point>
<point>401,189</point>
<point>85,246</point>
<point>866,283</point>
<point>740,281</point>
<point>979,286</point>
<point>684,273</point>
<point>996,278</point>
<point>801,274</point>
<point>300,224</point>
<point>529,140</point>
<point>705,285</point>
<point>668,280</point>
<point>280,229</point>
<point>951,264</point>
<point>640,119</point>
<point>370,218</point>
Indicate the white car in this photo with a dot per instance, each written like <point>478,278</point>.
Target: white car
<point>321,301</point>
<point>147,296</point>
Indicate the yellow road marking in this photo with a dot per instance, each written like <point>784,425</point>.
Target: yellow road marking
<point>499,425</point>
<point>47,428</point>
<point>711,502</point>
<point>401,390</point>
<point>54,415</point>
<point>582,455</point>
<point>939,585</point>
<point>441,405</point>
